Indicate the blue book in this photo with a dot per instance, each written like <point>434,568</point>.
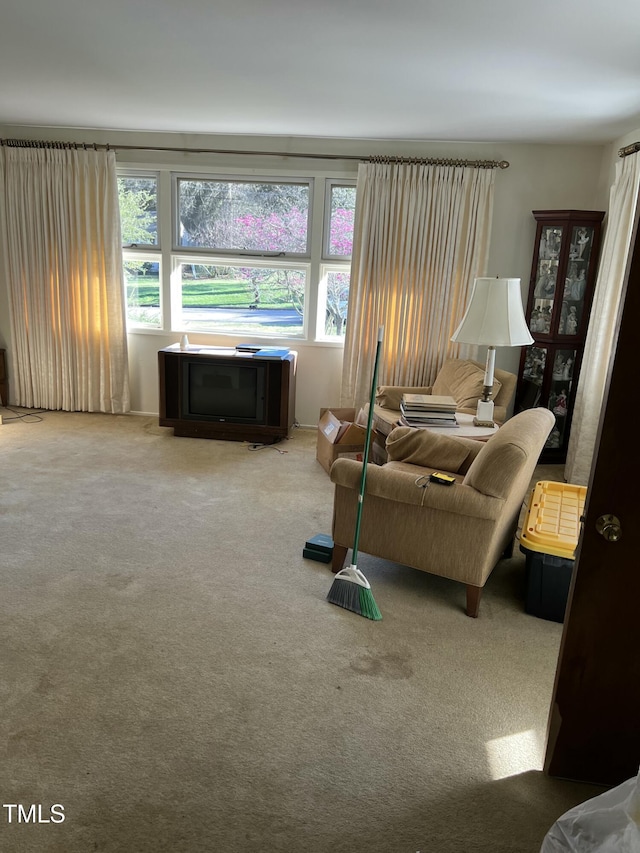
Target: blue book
<point>320,542</point>
<point>272,352</point>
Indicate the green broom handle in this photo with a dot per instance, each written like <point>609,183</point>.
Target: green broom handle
<point>367,444</point>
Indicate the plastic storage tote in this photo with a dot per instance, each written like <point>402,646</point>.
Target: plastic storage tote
<point>548,539</point>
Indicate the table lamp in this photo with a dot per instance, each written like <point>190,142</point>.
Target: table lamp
<point>494,318</point>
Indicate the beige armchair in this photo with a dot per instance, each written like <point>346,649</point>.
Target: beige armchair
<point>459,531</point>
<point>461,379</point>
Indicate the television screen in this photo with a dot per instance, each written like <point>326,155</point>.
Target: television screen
<point>224,391</point>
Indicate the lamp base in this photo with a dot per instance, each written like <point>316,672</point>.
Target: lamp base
<point>476,422</point>
<point>484,415</point>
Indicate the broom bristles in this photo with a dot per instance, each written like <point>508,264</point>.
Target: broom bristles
<point>352,596</point>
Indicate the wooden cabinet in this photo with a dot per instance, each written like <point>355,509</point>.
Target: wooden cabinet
<point>563,274</point>
<point>210,392</point>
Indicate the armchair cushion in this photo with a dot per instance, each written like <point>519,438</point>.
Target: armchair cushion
<point>466,384</point>
<point>462,379</point>
<point>430,450</point>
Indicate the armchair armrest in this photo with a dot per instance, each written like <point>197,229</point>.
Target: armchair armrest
<point>390,396</point>
<point>401,487</point>
<point>431,450</point>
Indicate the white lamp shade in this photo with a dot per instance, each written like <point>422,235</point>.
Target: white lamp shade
<point>494,315</point>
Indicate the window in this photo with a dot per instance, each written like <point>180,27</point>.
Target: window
<point>138,210</point>
<point>243,216</point>
<point>340,211</point>
<point>252,299</point>
<point>333,295</point>
<point>143,292</point>
<point>252,257</point>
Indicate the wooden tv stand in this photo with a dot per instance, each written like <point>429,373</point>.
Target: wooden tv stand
<point>279,378</point>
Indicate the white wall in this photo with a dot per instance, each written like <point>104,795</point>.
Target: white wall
<point>539,177</point>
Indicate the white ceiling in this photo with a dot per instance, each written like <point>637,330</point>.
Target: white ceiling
<point>468,70</point>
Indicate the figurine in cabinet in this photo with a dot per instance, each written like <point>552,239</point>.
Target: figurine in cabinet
<point>572,321</point>
<point>550,243</point>
<point>568,284</point>
<point>558,367</point>
<point>578,286</point>
<point>534,364</point>
<point>546,283</point>
<point>564,311</point>
<point>534,322</point>
<point>583,239</point>
<point>567,369</point>
<point>560,407</point>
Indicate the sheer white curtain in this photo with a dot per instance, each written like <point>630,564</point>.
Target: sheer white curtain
<point>61,245</point>
<point>602,331</point>
<point>421,236</point>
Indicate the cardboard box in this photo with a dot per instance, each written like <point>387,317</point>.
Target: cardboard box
<point>378,450</point>
<point>340,436</point>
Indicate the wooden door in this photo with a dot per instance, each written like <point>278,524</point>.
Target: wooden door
<point>594,726</point>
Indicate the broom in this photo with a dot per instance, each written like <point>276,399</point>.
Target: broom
<point>350,589</point>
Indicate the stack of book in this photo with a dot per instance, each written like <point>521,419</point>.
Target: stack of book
<point>428,410</point>
<point>319,547</point>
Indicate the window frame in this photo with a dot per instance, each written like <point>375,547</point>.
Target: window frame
<point>171,256</point>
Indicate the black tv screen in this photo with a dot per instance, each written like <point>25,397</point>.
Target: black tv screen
<point>223,390</point>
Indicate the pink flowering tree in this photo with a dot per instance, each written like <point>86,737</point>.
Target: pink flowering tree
<point>288,233</point>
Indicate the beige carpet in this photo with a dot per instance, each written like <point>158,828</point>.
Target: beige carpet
<point>172,674</point>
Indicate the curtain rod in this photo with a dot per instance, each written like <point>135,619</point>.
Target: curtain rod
<point>629,149</point>
<point>479,164</point>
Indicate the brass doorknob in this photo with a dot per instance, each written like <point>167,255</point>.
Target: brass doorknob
<point>609,527</point>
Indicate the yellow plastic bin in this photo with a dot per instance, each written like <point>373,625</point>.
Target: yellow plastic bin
<point>548,539</point>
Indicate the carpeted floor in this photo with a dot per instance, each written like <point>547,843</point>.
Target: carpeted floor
<point>172,675</point>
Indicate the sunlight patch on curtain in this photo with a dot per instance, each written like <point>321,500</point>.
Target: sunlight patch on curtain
<point>421,236</point>
<point>63,263</point>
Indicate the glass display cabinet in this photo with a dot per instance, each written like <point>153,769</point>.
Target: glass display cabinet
<point>563,274</point>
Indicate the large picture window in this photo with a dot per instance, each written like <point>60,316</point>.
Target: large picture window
<point>252,257</point>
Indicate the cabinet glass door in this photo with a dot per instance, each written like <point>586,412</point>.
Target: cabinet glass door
<point>532,376</point>
<point>559,394</point>
<point>575,282</point>
<point>544,292</point>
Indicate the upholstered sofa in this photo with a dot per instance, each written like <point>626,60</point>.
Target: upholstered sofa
<point>458,531</point>
<point>462,379</point>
